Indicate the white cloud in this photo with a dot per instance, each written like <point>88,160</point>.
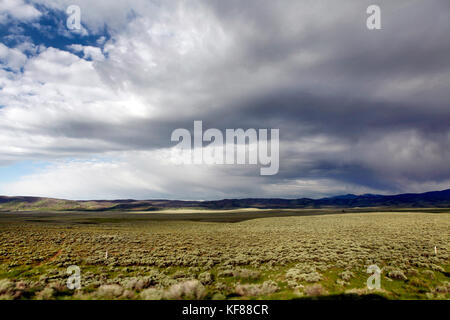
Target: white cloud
<point>152,175</point>
<point>11,58</point>
<point>89,52</point>
<point>115,14</point>
<point>17,9</point>
<point>57,91</point>
<point>168,63</point>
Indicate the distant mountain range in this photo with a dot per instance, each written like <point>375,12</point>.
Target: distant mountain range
<point>435,199</point>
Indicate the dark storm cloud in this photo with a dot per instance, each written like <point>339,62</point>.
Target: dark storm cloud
<point>346,95</point>
<point>360,107</point>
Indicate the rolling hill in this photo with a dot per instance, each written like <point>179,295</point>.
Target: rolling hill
<point>434,199</point>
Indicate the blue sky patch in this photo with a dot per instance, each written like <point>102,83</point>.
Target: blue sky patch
<point>50,31</point>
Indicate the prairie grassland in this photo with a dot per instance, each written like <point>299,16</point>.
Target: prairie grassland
<point>324,256</point>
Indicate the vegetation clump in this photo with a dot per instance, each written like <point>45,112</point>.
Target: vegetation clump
<point>279,258</point>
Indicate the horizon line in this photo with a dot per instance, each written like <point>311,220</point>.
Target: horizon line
<point>224,199</point>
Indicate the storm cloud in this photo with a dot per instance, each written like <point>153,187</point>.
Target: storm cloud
<point>358,110</point>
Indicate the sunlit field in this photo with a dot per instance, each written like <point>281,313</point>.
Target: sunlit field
<point>235,255</point>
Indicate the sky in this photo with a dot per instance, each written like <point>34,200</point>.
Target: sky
<point>88,114</point>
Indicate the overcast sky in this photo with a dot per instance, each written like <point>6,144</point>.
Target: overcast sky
<point>88,114</point>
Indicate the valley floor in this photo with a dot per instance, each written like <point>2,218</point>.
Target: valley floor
<point>301,254</point>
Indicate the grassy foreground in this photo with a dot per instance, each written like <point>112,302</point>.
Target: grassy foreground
<point>310,256</point>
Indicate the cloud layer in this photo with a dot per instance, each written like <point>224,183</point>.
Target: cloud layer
<point>358,110</point>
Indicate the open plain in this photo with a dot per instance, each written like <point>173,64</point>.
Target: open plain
<point>236,254</point>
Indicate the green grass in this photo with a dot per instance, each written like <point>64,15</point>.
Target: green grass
<point>264,258</point>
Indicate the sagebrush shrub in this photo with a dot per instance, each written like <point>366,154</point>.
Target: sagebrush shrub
<point>205,278</point>
<point>6,286</point>
<point>191,289</point>
<point>109,291</point>
<point>315,290</point>
<point>266,288</point>
<point>346,275</point>
<point>397,274</point>
<point>45,294</point>
<point>151,294</point>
